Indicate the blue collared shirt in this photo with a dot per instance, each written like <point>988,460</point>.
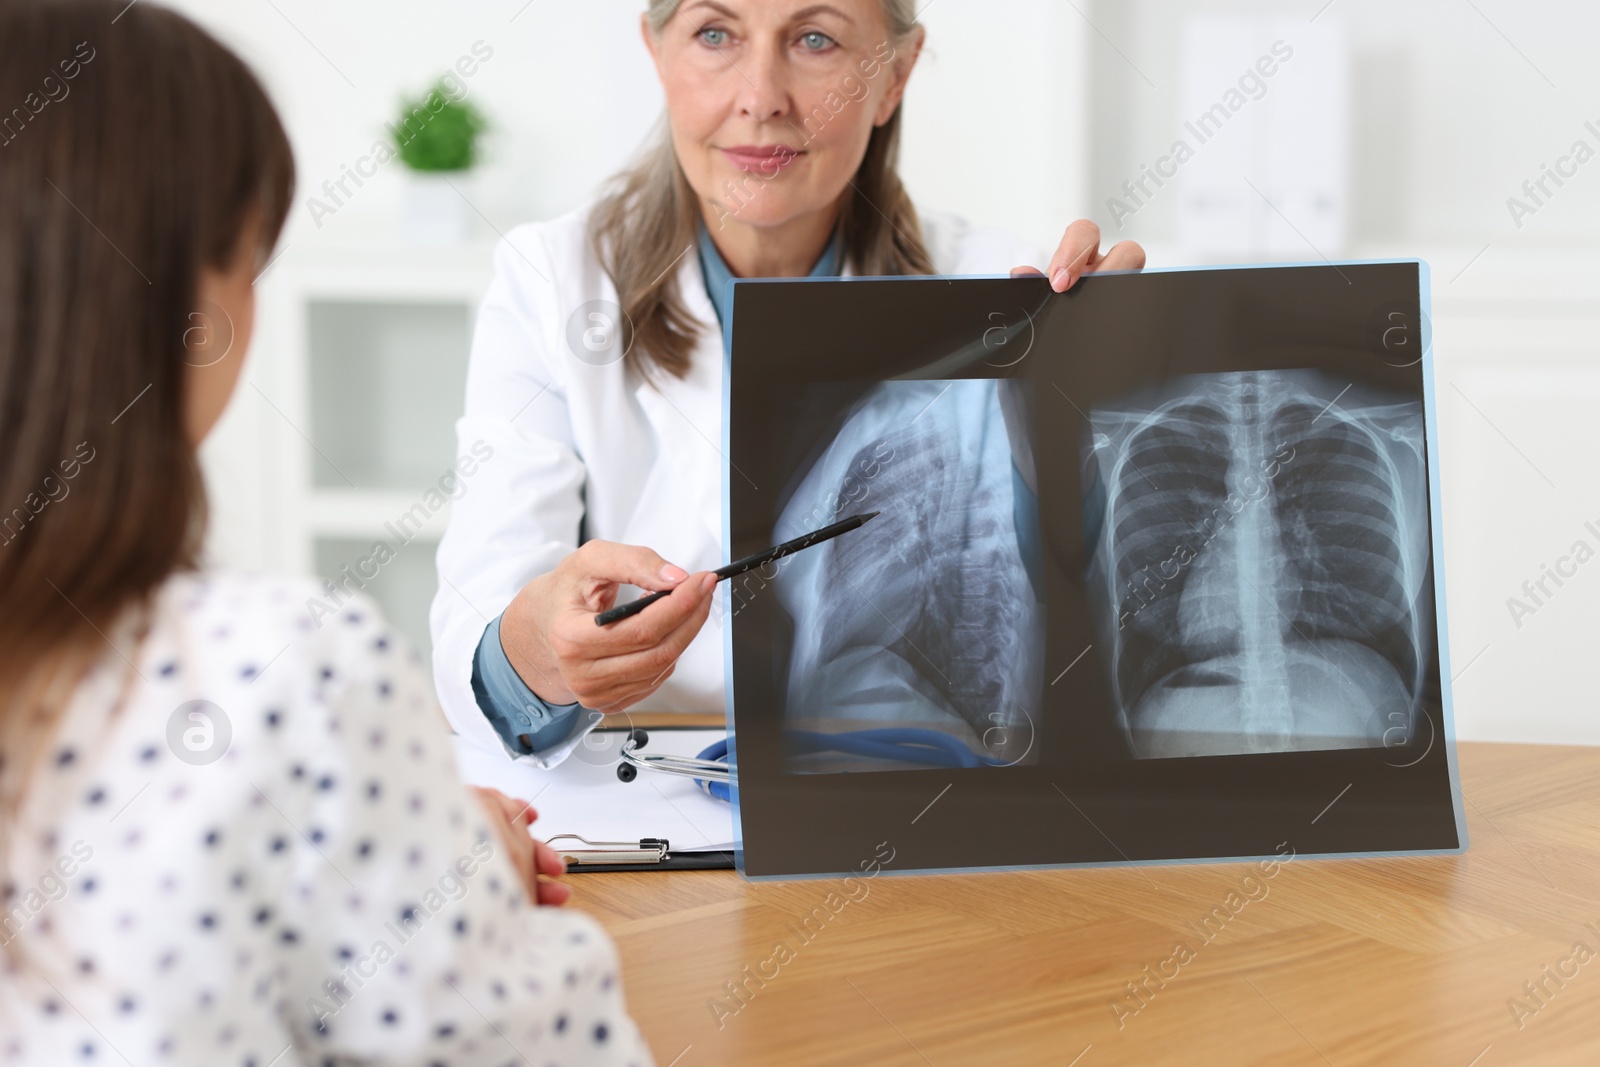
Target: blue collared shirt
<point>527,725</point>
<point>717,276</point>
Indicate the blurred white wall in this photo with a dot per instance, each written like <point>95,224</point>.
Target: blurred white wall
<point>1033,112</point>
<point>1452,106</point>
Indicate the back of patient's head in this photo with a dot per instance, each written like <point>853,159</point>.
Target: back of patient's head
<point>134,153</point>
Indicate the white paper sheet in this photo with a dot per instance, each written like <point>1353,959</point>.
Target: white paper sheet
<point>583,795</point>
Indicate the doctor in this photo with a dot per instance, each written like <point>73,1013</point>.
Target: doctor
<point>590,445</point>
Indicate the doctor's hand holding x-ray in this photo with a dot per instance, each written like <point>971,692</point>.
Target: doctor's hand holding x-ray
<point>777,160</point>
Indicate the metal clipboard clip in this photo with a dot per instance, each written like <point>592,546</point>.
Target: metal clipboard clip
<point>645,850</point>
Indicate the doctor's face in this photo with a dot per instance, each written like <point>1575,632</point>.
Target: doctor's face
<point>772,102</point>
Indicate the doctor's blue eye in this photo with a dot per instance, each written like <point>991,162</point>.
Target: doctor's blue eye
<point>815,41</point>
<point>714,37</point>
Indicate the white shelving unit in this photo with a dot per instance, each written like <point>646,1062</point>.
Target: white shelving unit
<point>351,398</point>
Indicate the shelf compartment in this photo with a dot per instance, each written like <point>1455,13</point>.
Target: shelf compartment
<point>380,373</point>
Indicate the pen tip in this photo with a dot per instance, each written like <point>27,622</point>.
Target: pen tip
<point>870,515</point>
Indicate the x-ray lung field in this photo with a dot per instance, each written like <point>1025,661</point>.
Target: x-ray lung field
<point>1260,578</point>
<point>917,640</point>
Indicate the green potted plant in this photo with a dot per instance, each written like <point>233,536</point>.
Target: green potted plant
<point>438,138</point>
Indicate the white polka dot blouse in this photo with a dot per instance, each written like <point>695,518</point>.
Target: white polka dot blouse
<point>248,845</point>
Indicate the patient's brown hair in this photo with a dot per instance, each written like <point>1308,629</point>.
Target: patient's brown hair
<point>135,150</point>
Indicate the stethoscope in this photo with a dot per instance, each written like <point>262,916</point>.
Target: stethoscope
<point>709,769</point>
<point>711,773</point>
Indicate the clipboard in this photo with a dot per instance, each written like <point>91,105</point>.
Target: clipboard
<point>598,822</point>
<point>650,853</point>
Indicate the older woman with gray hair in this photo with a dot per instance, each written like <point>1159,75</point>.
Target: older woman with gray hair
<point>597,367</point>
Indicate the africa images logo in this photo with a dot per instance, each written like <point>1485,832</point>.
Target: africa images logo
<point>199,732</point>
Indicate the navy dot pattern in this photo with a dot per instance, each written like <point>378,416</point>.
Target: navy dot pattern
<point>327,892</point>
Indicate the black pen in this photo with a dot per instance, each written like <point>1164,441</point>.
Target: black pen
<point>737,567</point>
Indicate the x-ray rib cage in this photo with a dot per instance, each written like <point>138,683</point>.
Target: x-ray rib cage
<point>928,617</point>
<point>1262,567</point>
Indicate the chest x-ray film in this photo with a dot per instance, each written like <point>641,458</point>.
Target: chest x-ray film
<point>1260,581</point>
<point>959,659</point>
<point>1154,573</point>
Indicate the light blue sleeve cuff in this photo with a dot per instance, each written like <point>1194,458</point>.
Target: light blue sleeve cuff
<point>530,729</point>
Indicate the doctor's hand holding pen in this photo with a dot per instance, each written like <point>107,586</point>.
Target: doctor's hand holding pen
<point>550,637</point>
<point>626,652</point>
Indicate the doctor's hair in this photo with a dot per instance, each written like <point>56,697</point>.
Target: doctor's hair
<point>649,216</point>
<point>141,152</point>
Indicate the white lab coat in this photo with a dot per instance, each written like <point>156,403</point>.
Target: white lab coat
<point>573,440</point>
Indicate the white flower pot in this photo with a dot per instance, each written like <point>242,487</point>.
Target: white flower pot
<point>435,208</point>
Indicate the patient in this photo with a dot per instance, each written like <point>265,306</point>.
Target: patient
<point>227,836</point>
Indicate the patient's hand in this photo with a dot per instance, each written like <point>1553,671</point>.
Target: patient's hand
<point>529,857</point>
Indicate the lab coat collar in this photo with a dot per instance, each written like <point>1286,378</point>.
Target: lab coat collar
<point>687,418</point>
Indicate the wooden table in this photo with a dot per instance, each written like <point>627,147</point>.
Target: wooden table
<point>1391,961</point>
